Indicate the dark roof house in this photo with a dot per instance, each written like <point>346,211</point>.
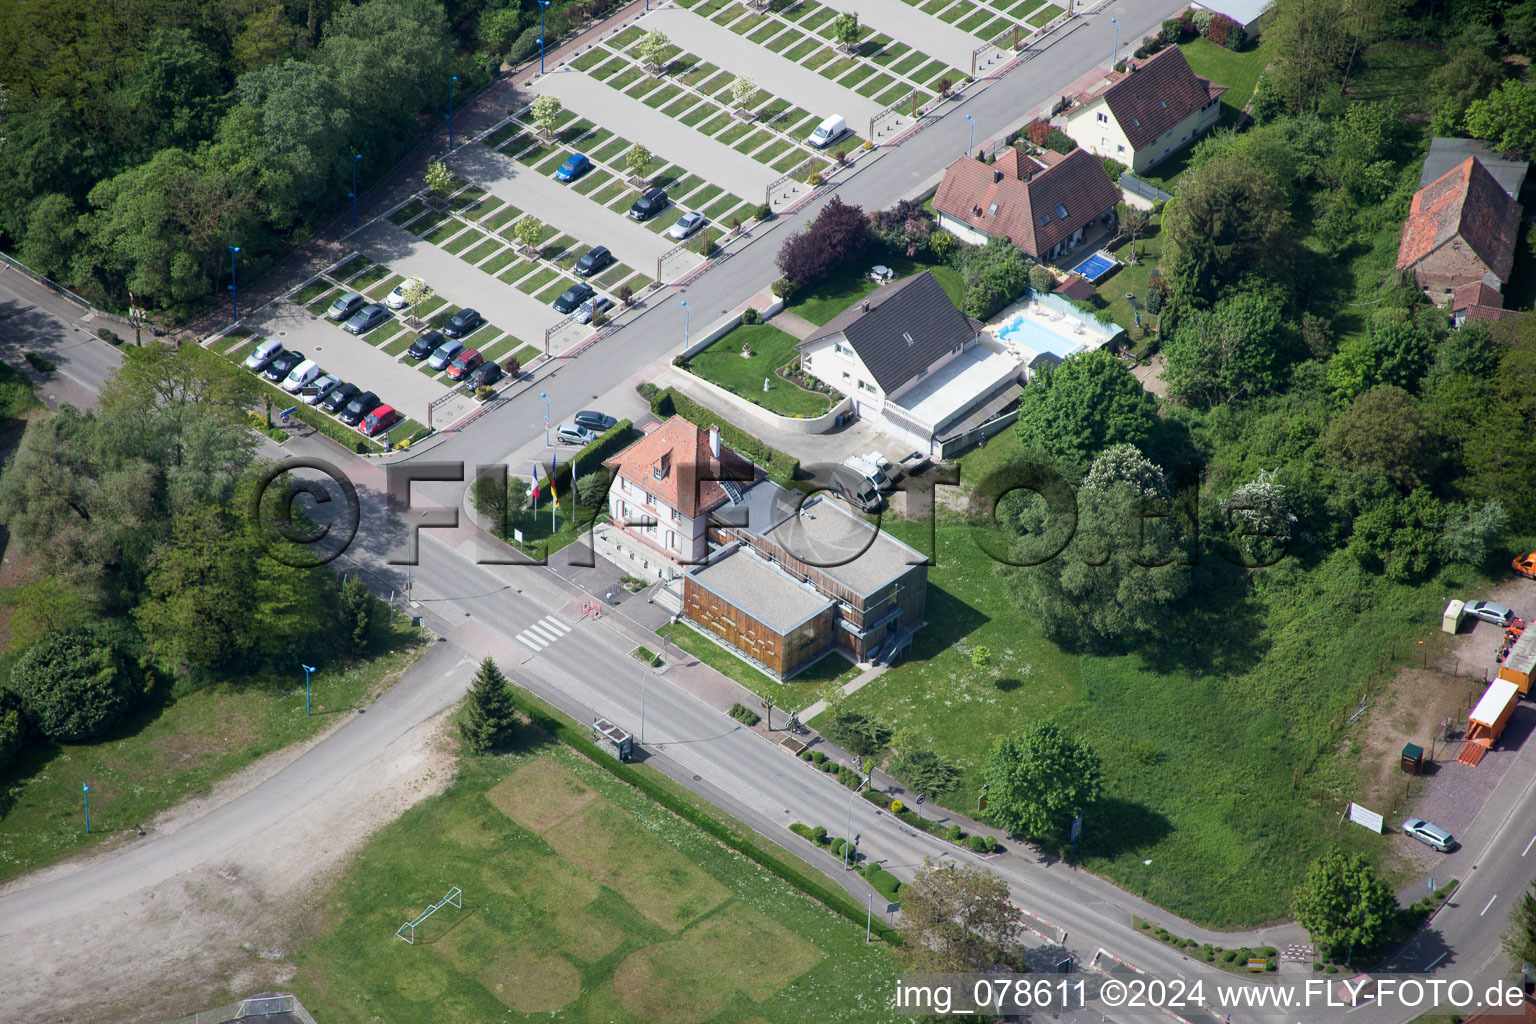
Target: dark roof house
<point>1040,204</point>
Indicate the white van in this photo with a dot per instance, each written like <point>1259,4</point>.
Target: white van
<point>828,132</point>
<point>301,375</point>
<point>856,489</point>
<point>869,469</point>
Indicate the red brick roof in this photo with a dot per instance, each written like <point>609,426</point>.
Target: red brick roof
<point>1011,196</point>
<point>1488,313</point>
<point>1476,294</point>
<point>1074,288</point>
<point>669,462</point>
<point>1465,202</point>
<point>1158,94</point>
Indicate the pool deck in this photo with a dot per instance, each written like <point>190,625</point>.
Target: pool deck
<point>1071,332</point>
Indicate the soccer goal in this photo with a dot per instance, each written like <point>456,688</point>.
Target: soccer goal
<point>454,898</point>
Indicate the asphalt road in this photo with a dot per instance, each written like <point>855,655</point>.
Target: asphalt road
<point>35,319</point>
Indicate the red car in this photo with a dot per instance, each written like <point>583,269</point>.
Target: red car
<point>464,363</point>
<point>381,418</point>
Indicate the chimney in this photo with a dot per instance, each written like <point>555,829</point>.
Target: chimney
<point>997,175</point>
<point>866,305</point>
<point>714,442</point>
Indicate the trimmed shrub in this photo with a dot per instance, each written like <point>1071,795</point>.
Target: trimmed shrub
<point>73,684</point>
<point>885,883</point>
<point>819,835</point>
<point>818,757</point>
<point>982,844</point>
<point>803,831</point>
<point>750,316</point>
<point>744,714</point>
<point>38,363</point>
<point>13,728</point>
<point>763,212</point>
<point>954,833</point>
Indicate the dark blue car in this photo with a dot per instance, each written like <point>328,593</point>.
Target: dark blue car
<point>573,168</point>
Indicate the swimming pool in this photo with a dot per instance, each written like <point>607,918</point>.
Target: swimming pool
<point>1096,266</point>
<point>1028,332</point>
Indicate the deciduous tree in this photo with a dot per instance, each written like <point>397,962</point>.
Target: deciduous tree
<point>636,159</point>
<point>546,113</point>
<point>1520,941</point>
<point>742,89</point>
<point>845,29</point>
<point>1385,431</point>
<point>956,917</point>
<point>1344,904</point>
<point>651,46</point>
<point>74,685</point>
<point>1083,406</point>
<point>1039,781</point>
<point>1506,119</point>
<point>200,604</point>
<point>1228,219</point>
<point>1234,350</point>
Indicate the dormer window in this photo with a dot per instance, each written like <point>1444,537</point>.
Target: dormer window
<point>659,471</point>
<point>1136,121</point>
<point>1163,104</point>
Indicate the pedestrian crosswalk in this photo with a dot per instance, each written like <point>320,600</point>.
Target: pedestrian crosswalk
<point>543,633</point>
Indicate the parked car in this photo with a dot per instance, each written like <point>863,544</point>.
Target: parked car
<point>345,305</point>
<point>380,419</point>
<point>649,205</point>
<point>360,405</point>
<point>574,167</point>
<point>444,353</point>
<point>366,319</point>
<point>315,393</point>
<point>465,321</point>
<point>883,463</point>
<point>425,345</point>
<point>828,132</point>
<point>1429,834</point>
<point>687,224</point>
<point>263,354</point>
<point>1525,565</point>
<point>574,433</point>
<point>593,306</point>
<point>300,375</point>
<point>856,489</point>
<point>464,362</point>
<point>339,397</point>
<point>593,260</point>
<point>484,375</point>
<point>574,296</point>
<point>862,465</point>
<point>396,298</point>
<point>597,422</point>
<point>282,365</point>
<point>1490,611</point>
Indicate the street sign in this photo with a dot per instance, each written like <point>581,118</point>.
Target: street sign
<point>1077,827</point>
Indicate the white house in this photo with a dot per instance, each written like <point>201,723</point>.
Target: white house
<point>1142,115</point>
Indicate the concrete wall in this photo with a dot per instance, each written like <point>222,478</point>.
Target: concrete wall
<point>721,328</point>
<point>747,413</point>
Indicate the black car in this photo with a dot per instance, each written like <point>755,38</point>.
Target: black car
<point>569,299</point>
<point>338,398</point>
<point>595,259</point>
<point>281,365</point>
<point>597,422</point>
<point>649,205</point>
<point>360,406</point>
<point>483,375</point>
<point>463,322</point>
<point>425,345</point>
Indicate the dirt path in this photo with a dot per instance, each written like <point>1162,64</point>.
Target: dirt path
<point>225,929</point>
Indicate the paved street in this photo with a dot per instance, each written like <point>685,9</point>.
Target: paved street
<point>34,319</point>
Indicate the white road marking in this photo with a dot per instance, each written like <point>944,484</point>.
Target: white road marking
<point>1488,904</point>
<point>1431,965</point>
<point>1528,846</point>
<point>538,643</point>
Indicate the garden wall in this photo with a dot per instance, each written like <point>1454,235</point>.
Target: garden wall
<point>708,392</point>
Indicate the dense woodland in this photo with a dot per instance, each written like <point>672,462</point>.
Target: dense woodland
<point>143,137</point>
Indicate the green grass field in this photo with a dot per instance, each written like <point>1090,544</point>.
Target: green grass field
<point>176,746</point>
<point>723,364</point>
<point>828,298</point>
<point>793,694</point>
<point>583,900</point>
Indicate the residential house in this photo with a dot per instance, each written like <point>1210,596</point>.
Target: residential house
<point>1144,114</point>
<point>1445,154</point>
<point>1247,14</point>
<point>668,483</point>
<point>1480,300</point>
<point>914,363</point>
<point>1045,205</point>
<point>1461,229</point>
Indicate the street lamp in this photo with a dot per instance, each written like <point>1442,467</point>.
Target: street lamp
<point>307,670</point>
<point>355,158</point>
<point>543,6</point>
<point>1116,51</point>
<point>234,282</point>
<point>644,671</point>
<point>848,839</point>
<point>546,418</point>
<point>85,791</point>
<point>687,315</point>
<point>971,141</point>
<point>451,80</point>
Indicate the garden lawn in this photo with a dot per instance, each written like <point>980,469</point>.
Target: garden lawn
<point>1239,72</point>
<point>177,745</point>
<point>772,348</point>
<point>798,692</point>
<point>582,899</point>
<point>825,300</point>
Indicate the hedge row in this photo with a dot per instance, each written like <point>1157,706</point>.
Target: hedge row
<point>781,468</point>
<point>744,714</point>
<point>833,899</point>
<point>977,842</point>
<point>885,883</point>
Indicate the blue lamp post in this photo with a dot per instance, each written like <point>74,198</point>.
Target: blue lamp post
<point>546,418</point>
<point>451,80</point>
<point>543,6</point>
<point>307,670</point>
<point>355,158</point>
<point>970,144</point>
<point>1116,51</point>
<point>234,282</point>
<point>687,316</point>
<point>85,791</point>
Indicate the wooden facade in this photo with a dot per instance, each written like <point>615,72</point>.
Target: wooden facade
<point>782,655</point>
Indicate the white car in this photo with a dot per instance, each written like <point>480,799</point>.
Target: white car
<point>687,224</point>
<point>320,388</point>
<point>593,306</point>
<point>574,433</point>
<point>396,298</point>
<point>301,375</point>
<point>263,354</point>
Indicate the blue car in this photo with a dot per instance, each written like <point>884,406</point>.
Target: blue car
<point>573,168</point>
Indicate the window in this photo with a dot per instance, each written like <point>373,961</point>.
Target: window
<point>841,349</point>
<point>847,375</point>
<point>674,515</point>
<point>1045,219</point>
<point>907,337</point>
<point>1103,117</point>
<point>650,499</point>
<point>865,385</point>
<point>1061,212</point>
<point>1120,149</point>
<point>992,209</point>
<point>1104,141</point>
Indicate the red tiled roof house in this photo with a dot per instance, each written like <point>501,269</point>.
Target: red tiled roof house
<point>1044,205</point>
<point>1460,229</point>
<point>1142,115</point>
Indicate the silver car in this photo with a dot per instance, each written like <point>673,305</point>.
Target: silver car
<point>687,224</point>
<point>1429,834</point>
<point>593,306</point>
<point>1489,611</point>
<point>345,305</point>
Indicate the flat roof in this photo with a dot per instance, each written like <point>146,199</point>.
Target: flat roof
<point>1494,700</point>
<point>843,546</point>
<point>1522,656</point>
<point>763,591</point>
<point>959,384</point>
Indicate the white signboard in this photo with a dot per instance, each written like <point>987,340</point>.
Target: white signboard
<point>1361,816</point>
